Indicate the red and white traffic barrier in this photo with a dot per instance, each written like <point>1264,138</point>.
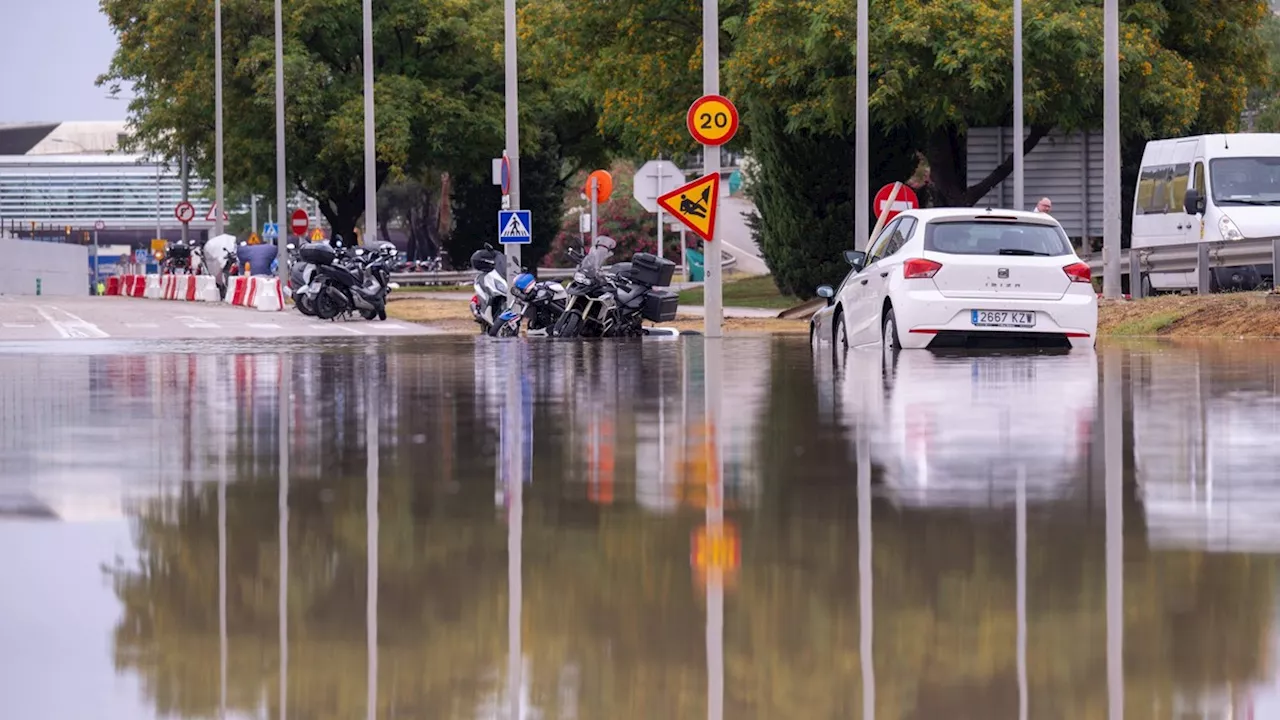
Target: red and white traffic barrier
<point>255,291</point>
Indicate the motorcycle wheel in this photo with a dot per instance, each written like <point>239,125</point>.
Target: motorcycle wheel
<point>326,307</point>
<point>568,326</point>
<point>306,305</point>
<point>382,313</point>
<point>368,314</point>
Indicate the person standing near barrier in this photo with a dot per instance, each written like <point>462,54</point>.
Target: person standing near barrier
<point>256,256</point>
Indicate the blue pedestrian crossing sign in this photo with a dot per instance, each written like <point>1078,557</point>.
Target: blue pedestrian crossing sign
<point>515,227</point>
<point>270,231</point>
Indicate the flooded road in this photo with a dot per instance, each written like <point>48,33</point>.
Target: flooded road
<point>669,529</point>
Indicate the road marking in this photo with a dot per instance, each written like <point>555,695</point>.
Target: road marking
<point>336,326</point>
<point>265,326</point>
<point>141,325</point>
<point>391,327</point>
<point>203,326</point>
<point>19,325</point>
<point>76,327</point>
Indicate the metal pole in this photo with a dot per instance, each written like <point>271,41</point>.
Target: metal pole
<point>253,213</point>
<point>282,256</point>
<point>513,128</point>
<point>711,262</point>
<point>218,227</point>
<point>595,213</point>
<point>158,235</point>
<point>1111,150</point>
<point>861,165</point>
<point>512,457</point>
<point>658,192</point>
<point>186,191</point>
<point>1021,552</point>
<point>1018,161</point>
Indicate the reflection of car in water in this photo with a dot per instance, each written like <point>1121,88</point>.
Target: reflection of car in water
<point>1205,453</point>
<point>956,430</point>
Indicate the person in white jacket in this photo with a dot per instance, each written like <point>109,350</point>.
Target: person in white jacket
<point>216,253</point>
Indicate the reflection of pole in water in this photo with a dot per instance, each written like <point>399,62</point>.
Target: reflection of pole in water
<point>286,392</point>
<point>865,609</point>
<point>1022,592</point>
<point>222,565</point>
<point>1113,450</point>
<point>715,519</point>
<point>513,464</point>
<point>371,541</point>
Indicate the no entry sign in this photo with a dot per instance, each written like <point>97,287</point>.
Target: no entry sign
<point>299,222</point>
<point>906,200</point>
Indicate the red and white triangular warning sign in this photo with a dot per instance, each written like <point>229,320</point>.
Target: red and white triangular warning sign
<point>695,205</point>
<point>213,213</point>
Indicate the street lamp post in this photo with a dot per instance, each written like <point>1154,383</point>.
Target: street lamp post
<point>513,130</point>
<point>218,227</point>
<point>282,257</point>
<point>1018,160</point>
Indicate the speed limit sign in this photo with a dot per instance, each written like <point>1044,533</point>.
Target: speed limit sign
<point>712,120</point>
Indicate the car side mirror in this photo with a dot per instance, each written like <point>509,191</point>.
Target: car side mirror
<point>827,293</point>
<point>1193,202</point>
<point>856,258</point>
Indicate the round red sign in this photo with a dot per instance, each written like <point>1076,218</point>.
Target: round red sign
<point>906,200</point>
<point>299,222</point>
<point>185,212</point>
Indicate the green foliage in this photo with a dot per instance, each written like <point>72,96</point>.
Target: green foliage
<point>437,90</point>
<point>802,185</point>
<point>633,228</point>
<point>1262,97</point>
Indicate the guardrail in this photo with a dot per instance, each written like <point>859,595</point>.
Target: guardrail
<point>1200,258</point>
<point>466,277</point>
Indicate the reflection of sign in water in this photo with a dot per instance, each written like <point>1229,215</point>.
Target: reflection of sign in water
<point>600,461</point>
<point>716,547</point>
<point>697,468</point>
<point>526,432</point>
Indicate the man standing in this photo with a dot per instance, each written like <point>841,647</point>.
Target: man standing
<point>256,256</point>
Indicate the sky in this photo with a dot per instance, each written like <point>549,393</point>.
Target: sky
<point>60,47</point>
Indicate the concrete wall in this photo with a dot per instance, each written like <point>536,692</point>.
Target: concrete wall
<point>63,269</point>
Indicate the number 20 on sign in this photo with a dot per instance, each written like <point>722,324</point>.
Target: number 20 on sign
<point>712,120</point>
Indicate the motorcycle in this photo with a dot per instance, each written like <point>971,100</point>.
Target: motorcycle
<point>490,285</point>
<point>615,301</point>
<point>538,303</point>
<point>348,282</point>
<point>177,260</point>
<point>302,285</point>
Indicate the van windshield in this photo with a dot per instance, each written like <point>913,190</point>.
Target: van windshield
<point>979,237</point>
<point>1245,180</point>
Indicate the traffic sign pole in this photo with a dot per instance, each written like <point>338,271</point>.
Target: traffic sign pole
<point>711,262</point>
<point>595,213</point>
<point>512,130</point>
<point>282,257</point>
<point>661,254</point>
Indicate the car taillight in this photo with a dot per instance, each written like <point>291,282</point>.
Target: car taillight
<point>916,268</point>
<point>1078,272</point>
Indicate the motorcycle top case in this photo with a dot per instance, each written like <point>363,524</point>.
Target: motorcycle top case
<point>318,253</point>
<point>652,270</point>
<point>660,306</point>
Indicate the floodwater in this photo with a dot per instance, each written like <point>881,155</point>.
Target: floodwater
<point>659,529</point>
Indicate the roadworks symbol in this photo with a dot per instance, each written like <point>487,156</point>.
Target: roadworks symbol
<point>515,228</point>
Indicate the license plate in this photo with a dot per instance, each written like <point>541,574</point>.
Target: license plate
<point>1003,318</point>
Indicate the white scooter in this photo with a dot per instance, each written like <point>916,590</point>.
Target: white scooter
<point>490,286</point>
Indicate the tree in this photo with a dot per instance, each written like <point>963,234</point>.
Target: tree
<point>802,185</point>
<point>438,88</point>
<point>1262,103</point>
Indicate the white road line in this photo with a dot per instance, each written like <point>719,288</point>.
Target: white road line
<point>390,327</point>
<point>19,325</point>
<point>82,328</point>
<point>203,326</point>
<point>336,326</point>
<point>56,325</point>
<point>265,326</point>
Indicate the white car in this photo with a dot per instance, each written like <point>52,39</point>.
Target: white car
<point>963,278</point>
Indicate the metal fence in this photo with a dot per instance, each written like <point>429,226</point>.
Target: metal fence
<point>466,277</point>
<point>1198,257</point>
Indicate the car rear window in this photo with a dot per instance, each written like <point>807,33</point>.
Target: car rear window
<point>996,237</point>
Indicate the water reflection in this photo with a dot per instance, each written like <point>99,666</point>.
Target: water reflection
<point>797,540</point>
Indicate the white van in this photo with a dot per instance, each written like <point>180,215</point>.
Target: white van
<point>1208,188</point>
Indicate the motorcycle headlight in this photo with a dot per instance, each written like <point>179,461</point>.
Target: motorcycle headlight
<point>1227,227</point>
<point>580,278</point>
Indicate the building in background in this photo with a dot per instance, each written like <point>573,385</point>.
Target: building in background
<point>60,180</point>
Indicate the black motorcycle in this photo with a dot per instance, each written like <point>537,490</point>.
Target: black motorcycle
<point>350,281</point>
<point>615,301</point>
<point>539,304</point>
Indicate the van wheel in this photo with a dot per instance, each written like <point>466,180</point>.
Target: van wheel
<point>1147,290</point>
